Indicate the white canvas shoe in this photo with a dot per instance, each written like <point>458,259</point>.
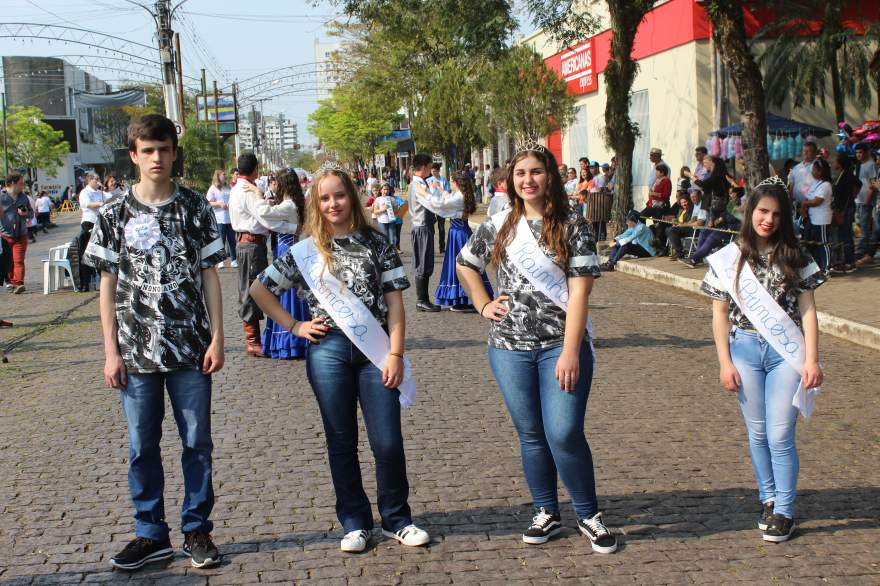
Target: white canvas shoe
<point>234,264</point>
<point>409,535</point>
<point>355,541</point>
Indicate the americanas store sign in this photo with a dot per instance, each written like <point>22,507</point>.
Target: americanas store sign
<point>575,66</point>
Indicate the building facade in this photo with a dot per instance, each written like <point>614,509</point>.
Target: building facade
<point>681,92</point>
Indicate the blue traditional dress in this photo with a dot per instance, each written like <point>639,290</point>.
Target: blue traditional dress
<point>449,290</point>
<point>278,342</point>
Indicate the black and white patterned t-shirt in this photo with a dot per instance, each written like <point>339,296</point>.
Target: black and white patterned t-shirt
<point>533,321</point>
<point>158,253</point>
<point>364,261</point>
<point>772,278</point>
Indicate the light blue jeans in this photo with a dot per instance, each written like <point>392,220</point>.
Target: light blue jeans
<point>768,387</point>
<point>550,424</point>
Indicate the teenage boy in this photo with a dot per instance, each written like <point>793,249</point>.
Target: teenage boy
<point>157,247</point>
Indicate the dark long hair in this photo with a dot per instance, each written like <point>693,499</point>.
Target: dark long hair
<point>287,186</point>
<point>824,169</point>
<point>553,229</point>
<point>786,254</point>
<point>466,187</point>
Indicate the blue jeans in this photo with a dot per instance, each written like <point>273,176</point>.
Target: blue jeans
<point>227,234</point>
<point>390,232</point>
<point>621,250</point>
<point>768,387</point>
<point>864,216</point>
<point>708,241</point>
<point>143,401</point>
<point>550,424</point>
<point>341,376</point>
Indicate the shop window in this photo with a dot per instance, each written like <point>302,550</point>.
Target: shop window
<point>639,114</point>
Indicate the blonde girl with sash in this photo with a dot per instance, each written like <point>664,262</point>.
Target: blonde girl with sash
<point>352,279</point>
<point>539,346</point>
<point>766,335</point>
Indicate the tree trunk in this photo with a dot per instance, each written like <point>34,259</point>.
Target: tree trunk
<point>620,134</point>
<point>832,20</point>
<point>729,36</point>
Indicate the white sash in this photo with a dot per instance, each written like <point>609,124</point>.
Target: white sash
<point>350,314</point>
<point>767,317</point>
<point>525,253</point>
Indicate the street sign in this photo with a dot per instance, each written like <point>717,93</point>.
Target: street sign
<point>380,161</point>
<point>180,128</point>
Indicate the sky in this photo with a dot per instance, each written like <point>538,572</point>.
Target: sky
<point>232,40</point>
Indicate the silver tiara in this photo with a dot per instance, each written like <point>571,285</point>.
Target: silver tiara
<point>772,181</point>
<point>329,165</point>
<point>529,144</point>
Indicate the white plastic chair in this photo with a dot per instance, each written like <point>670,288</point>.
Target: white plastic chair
<point>57,271</point>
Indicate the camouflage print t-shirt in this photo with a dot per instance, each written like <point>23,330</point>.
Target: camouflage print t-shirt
<point>158,253</point>
<point>534,321</point>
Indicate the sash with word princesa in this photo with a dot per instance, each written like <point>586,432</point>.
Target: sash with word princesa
<point>524,252</point>
<point>767,317</point>
<point>350,314</point>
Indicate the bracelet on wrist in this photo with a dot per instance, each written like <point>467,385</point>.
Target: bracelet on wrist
<point>484,307</point>
<point>293,326</point>
<point>398,354</point>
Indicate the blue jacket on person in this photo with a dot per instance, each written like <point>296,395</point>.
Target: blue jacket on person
<point>638,234</point>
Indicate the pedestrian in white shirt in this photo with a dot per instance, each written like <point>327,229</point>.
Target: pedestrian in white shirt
<point>43,207</point>
<point>800,179</point>
<point>218,198</point>
<point>91,198</point>
<point>816,206</point>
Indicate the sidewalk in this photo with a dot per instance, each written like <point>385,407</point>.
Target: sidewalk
<point>848,304</point>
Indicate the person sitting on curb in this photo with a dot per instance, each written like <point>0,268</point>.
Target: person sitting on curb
<point>712,239</point>
<point>696,219</point>
<point>635,240</point>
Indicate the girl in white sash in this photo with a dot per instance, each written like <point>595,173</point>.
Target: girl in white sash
<point>765,382</point>
<point>539,349</point>
<point>362,260</point>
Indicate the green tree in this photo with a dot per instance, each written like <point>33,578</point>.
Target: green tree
<point>568,21</point>
<point>801,66</point>
<point>32,143</point>
<point>303,159</point>
<point>729,36</point>
<point>452,118</point>
<point>202,153</point>
<point>526,99</point>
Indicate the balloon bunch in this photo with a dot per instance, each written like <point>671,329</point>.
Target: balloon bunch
<point>849,137</point>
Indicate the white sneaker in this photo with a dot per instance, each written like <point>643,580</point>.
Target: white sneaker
<point>234,264</point>
<point>409,535</point>
<point>355,541</point>
<point>220,265</point>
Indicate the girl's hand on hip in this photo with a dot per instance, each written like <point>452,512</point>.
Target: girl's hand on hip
<point>496,309</point>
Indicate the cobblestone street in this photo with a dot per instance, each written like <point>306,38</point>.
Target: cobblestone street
<point>672,464</point>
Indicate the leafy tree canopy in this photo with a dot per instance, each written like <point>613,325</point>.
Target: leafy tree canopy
<point>32,143</point>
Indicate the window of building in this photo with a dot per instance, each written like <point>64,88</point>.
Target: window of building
<point>639,114</point>
<point>577,138</point>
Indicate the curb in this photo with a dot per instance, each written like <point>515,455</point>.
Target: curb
<point>857,333</point>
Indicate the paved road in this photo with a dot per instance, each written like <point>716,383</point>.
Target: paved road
<point>670,449</point>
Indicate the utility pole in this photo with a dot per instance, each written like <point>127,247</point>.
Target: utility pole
<point>179,77</point>
<point>166,57</point>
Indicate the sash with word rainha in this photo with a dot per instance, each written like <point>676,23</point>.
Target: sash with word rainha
<point>350,314</point>
<point>527,256</point>
<point>767,317</point>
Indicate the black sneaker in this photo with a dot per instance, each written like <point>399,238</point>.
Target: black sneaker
<point>544,526</point>
<point>198,546</point>
<point>606,266</point>
<point>766,516</point>
<point>602,540</point>
<point>140,551</point>
<point>780,529</point>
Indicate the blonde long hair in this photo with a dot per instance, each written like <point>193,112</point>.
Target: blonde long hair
<point>215,180</point>
<point>317,225</point>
